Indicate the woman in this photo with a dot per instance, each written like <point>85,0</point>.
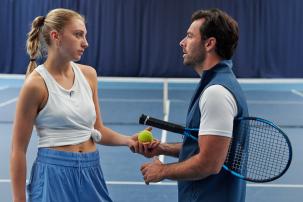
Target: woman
<point>60,98</point>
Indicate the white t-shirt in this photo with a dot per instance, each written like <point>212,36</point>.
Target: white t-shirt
<point>218,109</point>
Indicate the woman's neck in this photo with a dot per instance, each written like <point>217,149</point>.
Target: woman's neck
<point>57,65</point>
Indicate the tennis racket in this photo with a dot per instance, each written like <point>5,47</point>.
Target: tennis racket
<point>261,152</point>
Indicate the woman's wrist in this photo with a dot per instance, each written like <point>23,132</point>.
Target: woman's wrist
<point>129,141</point>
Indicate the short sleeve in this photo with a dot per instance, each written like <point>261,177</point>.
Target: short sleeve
<point>218,109</point>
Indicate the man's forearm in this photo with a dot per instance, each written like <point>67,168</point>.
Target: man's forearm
<point>171,149</point>
<point>192,169</point>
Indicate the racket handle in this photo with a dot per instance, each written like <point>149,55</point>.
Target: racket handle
<point>157,123</point>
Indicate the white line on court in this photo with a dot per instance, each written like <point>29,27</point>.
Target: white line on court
<point>191,80</point>
<point>166,105</point>
<point>130,100</point>
<point>8,181</point>
<point>273,102</point>
<point>4,87</point>
<point>8,102</point>
<point>172,80</point>
<point>276,185</point>
<point>164,132</point>
<point>12,76</point>
<point>175,184</point>
<point>297,92</point>
<point>261,102</point>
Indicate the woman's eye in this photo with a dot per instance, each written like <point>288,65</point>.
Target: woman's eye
<point>78,35</point>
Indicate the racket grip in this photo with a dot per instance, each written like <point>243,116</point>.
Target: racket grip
<point>157,123</point>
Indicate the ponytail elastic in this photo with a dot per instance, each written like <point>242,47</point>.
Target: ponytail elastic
<point>41,21</point>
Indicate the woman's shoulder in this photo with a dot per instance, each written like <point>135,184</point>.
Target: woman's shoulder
<point>88,71</point>
<point>34,81</point>
<point>34,87</point>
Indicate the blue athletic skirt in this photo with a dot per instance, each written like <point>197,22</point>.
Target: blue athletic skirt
<point>67,177</point>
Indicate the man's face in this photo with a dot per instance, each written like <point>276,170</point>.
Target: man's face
<point>194,52</point>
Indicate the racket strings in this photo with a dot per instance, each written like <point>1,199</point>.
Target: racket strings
<point>258,151</point>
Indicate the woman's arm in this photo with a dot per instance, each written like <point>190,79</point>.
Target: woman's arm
<point>28,104</point>
<point>109,136</point>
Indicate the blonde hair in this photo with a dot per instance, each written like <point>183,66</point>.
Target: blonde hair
<point>39,34</point>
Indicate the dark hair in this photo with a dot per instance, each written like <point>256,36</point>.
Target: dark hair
<point>221,26</point>
<point>41,26</point>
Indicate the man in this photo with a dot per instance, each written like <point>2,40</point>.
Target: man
<point>208,47</point>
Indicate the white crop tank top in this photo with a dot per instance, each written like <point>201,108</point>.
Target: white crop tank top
<point>69,116</point>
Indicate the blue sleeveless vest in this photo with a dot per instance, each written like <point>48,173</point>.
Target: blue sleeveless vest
<point>222,187</point>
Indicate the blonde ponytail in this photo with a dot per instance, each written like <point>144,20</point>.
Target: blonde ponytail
<point>33,43</point>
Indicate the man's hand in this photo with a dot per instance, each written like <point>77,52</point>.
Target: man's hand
<point>150,149</point>
<point>146,149</point>
<point>153,172</point>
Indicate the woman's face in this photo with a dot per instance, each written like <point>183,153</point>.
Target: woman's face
<point>72,40</point>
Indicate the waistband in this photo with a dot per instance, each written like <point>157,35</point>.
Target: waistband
<point>68,159</point>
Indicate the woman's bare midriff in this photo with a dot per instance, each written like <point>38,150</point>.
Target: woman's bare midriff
<point>87,146</point>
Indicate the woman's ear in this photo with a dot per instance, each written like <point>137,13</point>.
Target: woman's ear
<point>54,36</point>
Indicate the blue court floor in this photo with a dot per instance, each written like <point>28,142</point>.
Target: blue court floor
<point>122,102</point>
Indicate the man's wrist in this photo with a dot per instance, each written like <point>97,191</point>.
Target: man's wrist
<point>163,172</point>
<point>169,149</point>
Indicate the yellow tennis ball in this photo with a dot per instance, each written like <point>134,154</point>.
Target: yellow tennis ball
<point>145,136</point>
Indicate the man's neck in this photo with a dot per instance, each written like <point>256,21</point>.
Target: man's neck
<point>208,64</point>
